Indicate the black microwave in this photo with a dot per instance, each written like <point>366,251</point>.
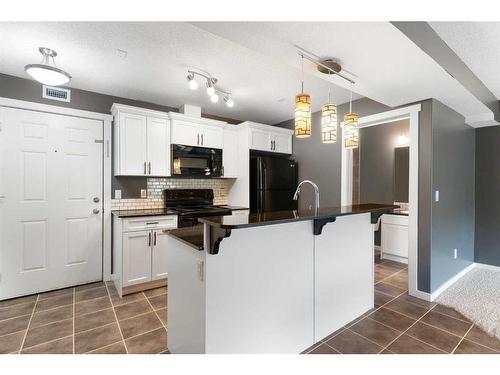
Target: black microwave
<point>196,161</point>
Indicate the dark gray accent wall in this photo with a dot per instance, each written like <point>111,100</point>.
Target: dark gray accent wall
<point>453,174</point>
<point>320,162</point>
<point>401,174</point>
<point>29,90</point>
<point>376,147</point>
<point>487,243</point>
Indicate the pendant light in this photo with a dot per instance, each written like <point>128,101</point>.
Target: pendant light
<point>329,121</point>
<point>302,111</point>
<point>350,129</point>
<point>47,72</point>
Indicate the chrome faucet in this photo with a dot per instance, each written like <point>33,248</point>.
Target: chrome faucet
<point>316,192</point>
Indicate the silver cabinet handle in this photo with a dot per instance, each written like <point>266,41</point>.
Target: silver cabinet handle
<point>154,241</point>
<point>202,139</point>
<point>149,239</point>
<point>144,167</point>
<point>95,211</point>
<point>198,139</point>
<point>96,199</point>
<point>149,167</point>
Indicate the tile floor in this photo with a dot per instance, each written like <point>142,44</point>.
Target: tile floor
<point>93,319</point>
<point>401,324</point>
<point>90,318</point>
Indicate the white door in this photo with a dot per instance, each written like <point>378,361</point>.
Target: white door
<point>159,255</point>
<point>282,143</point>
<point>132,143</point>
<point>211,136</point>
<point>137,257</point>
<point>185,133</point>
<point>51,213</point>
<point>230,153</point>
<point>158,147</point>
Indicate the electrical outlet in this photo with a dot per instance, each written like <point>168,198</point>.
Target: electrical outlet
<point>455,253</point>
<point>144,193</point>
<point>118,194</point>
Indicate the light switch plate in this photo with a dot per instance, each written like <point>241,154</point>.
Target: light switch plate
<point>118,194</point>
<point>144,193</point>
<point>436,196</point>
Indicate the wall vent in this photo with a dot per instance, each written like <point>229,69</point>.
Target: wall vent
<point>56,93</point>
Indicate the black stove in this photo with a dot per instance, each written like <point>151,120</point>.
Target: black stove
<point>190,204</point>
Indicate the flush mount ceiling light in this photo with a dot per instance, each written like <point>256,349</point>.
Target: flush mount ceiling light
<point>302,111</point>
<point>211,86</point>
<point>46,72</point>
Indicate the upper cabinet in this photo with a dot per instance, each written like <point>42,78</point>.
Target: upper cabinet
<point>141,142</point>
<point>269,138</point>
<point>200,132</point>
<point>230,152</point>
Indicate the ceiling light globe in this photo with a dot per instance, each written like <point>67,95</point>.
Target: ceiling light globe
<point>214,98</point>
<point>47,75</point>
<point>193,85</point>
<point>230,103</point>
<point>211,91</point>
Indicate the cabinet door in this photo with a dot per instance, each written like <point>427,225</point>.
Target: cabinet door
<point>211,136</point>
<point>159,255</point>
<point>230,153</point>
<point>185,133</point>
<point>260,140</point>
<point>395,240</point>
<point>132,144</point>
<point>158,147</point>
<point>136,257</point>
<point>282,143</point>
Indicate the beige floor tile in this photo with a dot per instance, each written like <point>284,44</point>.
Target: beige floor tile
<point>159,302</point>
<point>16,310</point>
<point>132,309</point>
<point>48,332</point>
<point>92,306</point>
<point>53,302</point>
<point>14,325</point>
<point>11,343</point>
<point>116,348</point>
<point>139,324</point>
<point>60,346</point>
<point>94,320</point>
<point>97,338</point>
<point>148,343</point>
<point>51,316</point>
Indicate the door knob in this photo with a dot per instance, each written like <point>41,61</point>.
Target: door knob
<point>96,199</point>
<point>95,211</point>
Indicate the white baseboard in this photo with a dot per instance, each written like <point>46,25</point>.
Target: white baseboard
<point>487,266</point>
<point>422,295</point>
<point>451,281</point>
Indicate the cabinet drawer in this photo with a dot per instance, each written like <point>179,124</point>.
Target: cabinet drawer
<point>395,219</point>
<point>150,222</point>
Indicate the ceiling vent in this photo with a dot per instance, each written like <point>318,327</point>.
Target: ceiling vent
<point>56,93</point>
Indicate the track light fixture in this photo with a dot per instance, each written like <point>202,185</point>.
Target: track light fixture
<point>211,86</point>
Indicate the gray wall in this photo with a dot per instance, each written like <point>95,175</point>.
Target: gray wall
<point>320,162</point>
<point>487,243</point>
<point>453,174</point>
<point>29,90</point>
<point>376,147</point>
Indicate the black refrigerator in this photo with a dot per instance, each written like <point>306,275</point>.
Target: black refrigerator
<point>273,180</point>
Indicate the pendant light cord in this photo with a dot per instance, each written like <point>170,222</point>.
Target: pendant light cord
<point>350,100</point>
<point>302,74</point>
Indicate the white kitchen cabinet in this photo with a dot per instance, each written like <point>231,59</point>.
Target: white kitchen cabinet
<point>394,237</point>
<point>136,258</point>
<point>230,153</point>
<point>269,138</point>
<point>199,132</point>
<point>159,255</point>
<point>140,252</point>
<point>141,142</point>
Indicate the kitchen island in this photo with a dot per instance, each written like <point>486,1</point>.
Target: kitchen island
<point>272,282</point>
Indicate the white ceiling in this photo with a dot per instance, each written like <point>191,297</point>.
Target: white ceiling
<point>156,66</point>
<point>478,46</point>
<point>256,61</point>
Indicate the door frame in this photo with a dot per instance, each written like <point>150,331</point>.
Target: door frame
<point>412,113</point>
<point>106,157</point>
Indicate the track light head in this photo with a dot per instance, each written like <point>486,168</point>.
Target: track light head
<point>229,101</point>
<point>193,85</point>
<point>214,98</point>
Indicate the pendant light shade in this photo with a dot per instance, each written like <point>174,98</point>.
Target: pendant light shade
<point>329,123</point>
<point>302,116</point>
<point>302,111</point>
<point>46,72</point>
<point>350,129</point>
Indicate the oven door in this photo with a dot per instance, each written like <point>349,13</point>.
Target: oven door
<point>196,161</point>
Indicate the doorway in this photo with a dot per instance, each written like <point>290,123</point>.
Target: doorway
<point>52,201</point>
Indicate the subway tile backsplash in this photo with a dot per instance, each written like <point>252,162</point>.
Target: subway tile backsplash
<point>156,186</point>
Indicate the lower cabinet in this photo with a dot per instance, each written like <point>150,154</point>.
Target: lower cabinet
<point>139,252</point>
<point>394,238</point>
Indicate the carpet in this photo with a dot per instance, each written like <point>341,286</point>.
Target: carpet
<point>477,296</point>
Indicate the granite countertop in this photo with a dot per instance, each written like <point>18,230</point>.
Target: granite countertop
<point>279,217</point>
<point>147,212</point>
<point>192,236</point>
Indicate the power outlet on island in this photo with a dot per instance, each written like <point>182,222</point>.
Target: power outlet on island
<point>144,193</point>
<point>118,194</point>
